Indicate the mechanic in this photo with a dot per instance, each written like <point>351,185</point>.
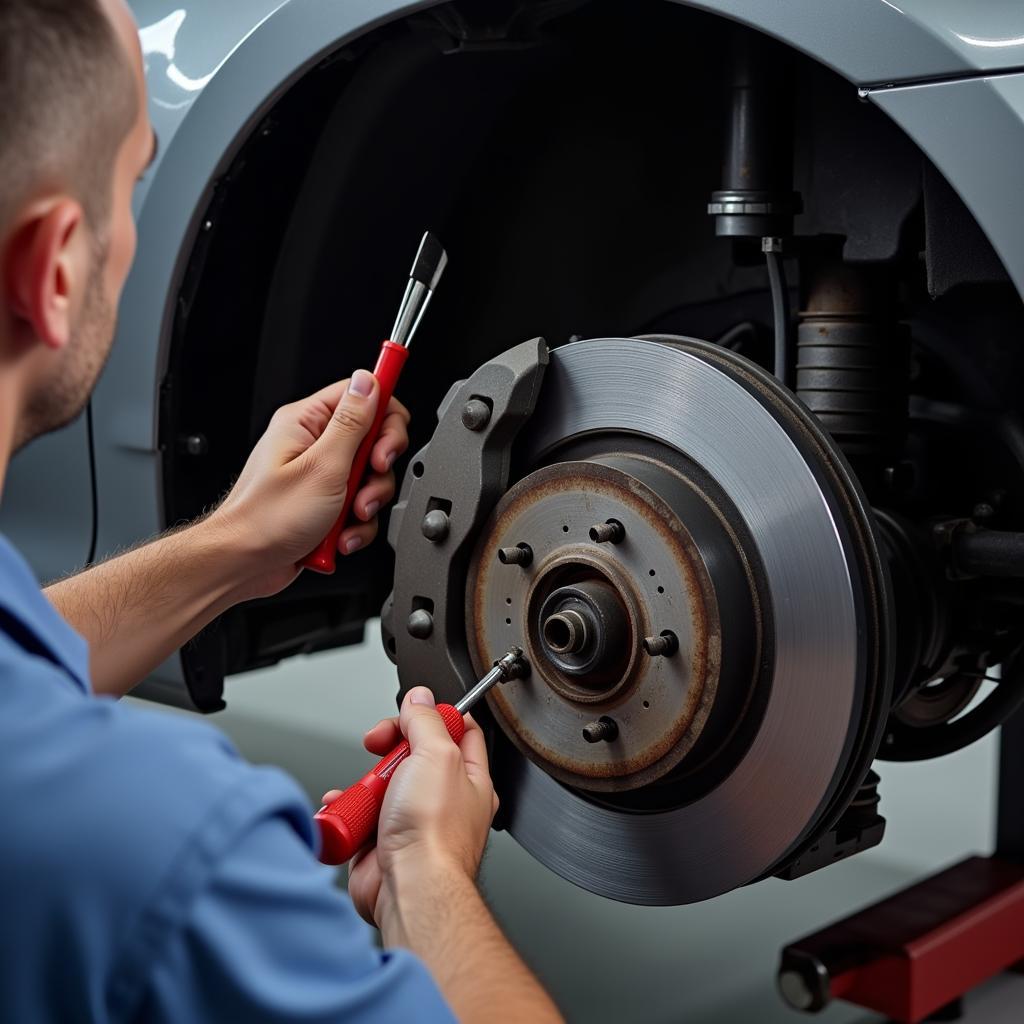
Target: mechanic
<point>149,873</point>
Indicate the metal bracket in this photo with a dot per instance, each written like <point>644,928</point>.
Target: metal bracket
<point>859,828</point>
<point>455,480</point>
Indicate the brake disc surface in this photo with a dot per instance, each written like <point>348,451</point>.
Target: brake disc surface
<point>745,540</point>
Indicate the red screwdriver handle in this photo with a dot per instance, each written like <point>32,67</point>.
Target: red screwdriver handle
<point>348,823</point>
<point>387,371</point>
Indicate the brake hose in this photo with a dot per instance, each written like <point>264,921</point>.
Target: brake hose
<point>772,248</point>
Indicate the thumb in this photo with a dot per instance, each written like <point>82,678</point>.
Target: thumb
<point>421,724</point>
<point>352,418</point>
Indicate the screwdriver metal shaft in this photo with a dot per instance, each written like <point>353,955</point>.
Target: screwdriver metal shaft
<point>503,669</point>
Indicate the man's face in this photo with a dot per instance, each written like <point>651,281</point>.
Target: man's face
<point>65,392</point>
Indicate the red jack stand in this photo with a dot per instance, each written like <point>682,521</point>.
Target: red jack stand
<point>918,952</point>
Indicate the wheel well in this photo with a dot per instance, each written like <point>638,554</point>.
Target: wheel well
<point>565,153</point>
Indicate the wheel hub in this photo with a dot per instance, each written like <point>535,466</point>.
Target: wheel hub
<point>585,608</point>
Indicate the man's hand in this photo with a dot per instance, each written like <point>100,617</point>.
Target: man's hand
<point>293,484</point>
<point>418,884</point>
<point>437,811</point>
<point>136,609</point>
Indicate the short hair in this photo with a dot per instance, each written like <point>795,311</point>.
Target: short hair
<point>67,101</point>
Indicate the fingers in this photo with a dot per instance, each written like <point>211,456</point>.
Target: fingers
<point>364,880</point>
<point>393,439</point>
<point>352,418</point>
<point>474,746</point>
<point>311,415</point>
<point>422,725</point>
<point>387,733</point>
<point>474,754</point>
<point>330,395</point>
<point>383,737</point>
<point>377,493</point>
<point>374,495</point>
<point>314,414</point>
<point>380,740</point>
<point>355,538</point>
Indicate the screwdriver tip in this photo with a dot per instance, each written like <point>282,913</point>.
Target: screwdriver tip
<point>512,665</point>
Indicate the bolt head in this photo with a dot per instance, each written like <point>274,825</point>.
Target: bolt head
<point>194,444</point>
<point>435,526</point>
<point>476,414</point>
<point>420,624</point>
<point>983,510</point>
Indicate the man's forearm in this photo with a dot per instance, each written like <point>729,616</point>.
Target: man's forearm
<point>137,609</point>
<point>440,916</point>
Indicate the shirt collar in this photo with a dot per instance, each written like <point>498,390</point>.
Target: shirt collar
<point>22,599</point>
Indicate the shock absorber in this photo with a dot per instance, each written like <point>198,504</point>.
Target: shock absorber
<point>756,199</point>
<point>852,372</point>
<point>853,360</point>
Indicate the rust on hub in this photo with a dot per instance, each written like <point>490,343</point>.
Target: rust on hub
<point>654,582</point>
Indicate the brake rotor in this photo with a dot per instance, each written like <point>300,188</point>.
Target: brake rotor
<point>692,571</point>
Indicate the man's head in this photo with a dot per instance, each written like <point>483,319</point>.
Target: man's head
<point>74,138</point>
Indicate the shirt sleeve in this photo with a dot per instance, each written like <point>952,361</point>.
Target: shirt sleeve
<point>270,938</point>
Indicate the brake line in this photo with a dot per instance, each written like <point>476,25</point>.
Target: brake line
<point>772,248</point>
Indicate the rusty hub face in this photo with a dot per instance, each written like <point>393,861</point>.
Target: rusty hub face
<point>583,606</point>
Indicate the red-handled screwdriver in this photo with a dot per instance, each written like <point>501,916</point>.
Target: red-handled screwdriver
<point>427,268</point>
<point>348,822</point>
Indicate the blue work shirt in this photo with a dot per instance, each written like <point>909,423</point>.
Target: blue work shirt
<point>148,873</point>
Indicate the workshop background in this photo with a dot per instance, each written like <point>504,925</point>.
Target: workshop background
<point>611,963</point>
<point>281,134</point>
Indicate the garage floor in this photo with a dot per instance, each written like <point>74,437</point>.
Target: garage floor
<point>711,963</point>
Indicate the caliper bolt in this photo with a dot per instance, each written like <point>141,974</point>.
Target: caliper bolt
<point>521,554</point>
<point>435,525</point>
<point>661,646</point>
<point>603,729</point>
<point>610,532</point>
<point>476,414</point>
<point>420,624</point>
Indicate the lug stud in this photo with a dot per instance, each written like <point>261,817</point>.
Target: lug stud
<point>521,554</point>
<point>661,646</point>
<point>610,532</point>
<point>603,729</point>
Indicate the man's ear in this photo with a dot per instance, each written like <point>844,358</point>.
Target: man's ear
<point>46,268</point>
